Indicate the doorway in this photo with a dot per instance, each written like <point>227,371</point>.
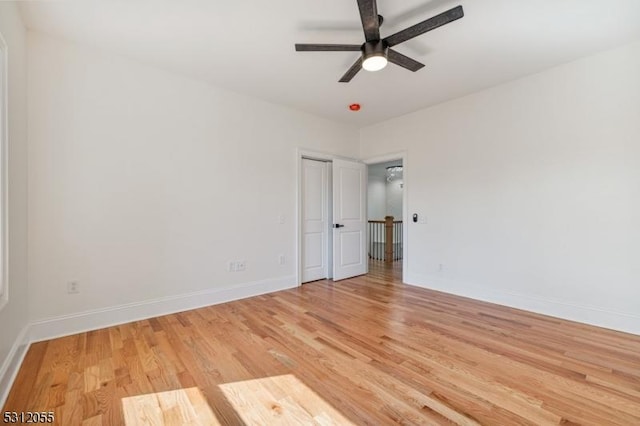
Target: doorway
<point>385,213</point>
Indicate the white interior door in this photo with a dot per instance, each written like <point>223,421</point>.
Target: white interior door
<point>315,220</point>
<point>349,219</point>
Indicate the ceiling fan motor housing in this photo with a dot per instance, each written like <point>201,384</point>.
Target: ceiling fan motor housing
<point>374,48</point>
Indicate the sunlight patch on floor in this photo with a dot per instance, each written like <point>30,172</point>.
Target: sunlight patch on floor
<point>176,407</point>
<point>280,400</point>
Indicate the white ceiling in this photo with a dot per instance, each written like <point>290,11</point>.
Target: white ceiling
<point>248,45</point>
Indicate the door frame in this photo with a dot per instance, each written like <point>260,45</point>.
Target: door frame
<point>311,155</point>
<point>400,155</point>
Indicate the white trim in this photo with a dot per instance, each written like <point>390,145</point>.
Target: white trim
<point>324,156</point>
<point>330,257</point>
<point>4,173</point>
<point>386,157</point>
<point>406,171</point>
<point>12,363</point>
<point>620,321</point>
<point>65,325</point>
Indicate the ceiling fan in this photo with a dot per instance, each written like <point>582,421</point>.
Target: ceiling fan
<point>376,52</point>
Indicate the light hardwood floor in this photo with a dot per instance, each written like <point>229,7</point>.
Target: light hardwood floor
<point>368,350</point>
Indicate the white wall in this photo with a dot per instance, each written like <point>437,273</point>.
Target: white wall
<point>530,190</point>
<point>144,184</point>
<point>376,197</point>
<point>383,198</point>
<point>13,316</point>
<point>393,192</point>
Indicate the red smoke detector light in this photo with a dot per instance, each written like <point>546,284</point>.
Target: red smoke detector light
<point>354,107</point>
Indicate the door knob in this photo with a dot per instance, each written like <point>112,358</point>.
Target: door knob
<point>338,225</point>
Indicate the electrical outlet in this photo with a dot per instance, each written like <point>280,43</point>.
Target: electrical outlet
<point>281,219</point>
<point>440,267</point>
<point>281,259</point>
<point>236,265</point>
<point>73,287</point>
<point>241,265</point>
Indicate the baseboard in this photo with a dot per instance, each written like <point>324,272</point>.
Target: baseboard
<point>592,315</point>
<point>65,325</point>
<point>12,363</point>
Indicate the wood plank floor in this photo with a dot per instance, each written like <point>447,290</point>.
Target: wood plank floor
<point>368,350</point>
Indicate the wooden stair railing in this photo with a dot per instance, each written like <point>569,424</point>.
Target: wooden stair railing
<point>385,239</point>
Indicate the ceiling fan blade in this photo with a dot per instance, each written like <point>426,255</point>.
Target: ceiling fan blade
<point>424,26</point>
<point>369,18</point>
<point>352,71</point>
<point>404,61</point>
<point>301,47</point>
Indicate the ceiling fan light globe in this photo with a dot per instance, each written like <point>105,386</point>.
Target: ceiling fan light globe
<point>374,63</point>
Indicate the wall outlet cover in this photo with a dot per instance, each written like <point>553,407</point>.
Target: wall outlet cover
<point>73,287</point>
